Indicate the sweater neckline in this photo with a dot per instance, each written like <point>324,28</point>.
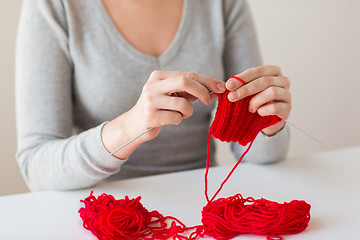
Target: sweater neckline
<point>168,54</point>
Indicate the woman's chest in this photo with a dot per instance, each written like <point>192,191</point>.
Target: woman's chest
<point>149,26</point>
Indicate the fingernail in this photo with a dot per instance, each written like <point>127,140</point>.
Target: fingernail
<point>233,95</point>
<point>221,87</point>
<point>251,109</point>
<point>231,84</point>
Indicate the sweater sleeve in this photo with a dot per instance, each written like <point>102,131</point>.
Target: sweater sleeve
<point>240,53</point>
<point>48,155</point>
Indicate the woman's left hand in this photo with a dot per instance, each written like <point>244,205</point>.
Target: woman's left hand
<point>271,93</point>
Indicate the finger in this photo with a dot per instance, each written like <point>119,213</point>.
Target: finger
<point>213,96</point>
<point>260,71</point>
<point>279,109</point>
<point>165,117</point>
<point>211,84</point>
<point>233,84</point>
<point>272,94</point>
<point>193,99</point>
<point>257,86</point>
<point>177,104</point>
<point>184,84</point>
<point>190,98</point>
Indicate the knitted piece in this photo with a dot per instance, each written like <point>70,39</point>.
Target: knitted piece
<point>234,123</point>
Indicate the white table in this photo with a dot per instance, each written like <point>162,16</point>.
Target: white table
<point>329,181</point>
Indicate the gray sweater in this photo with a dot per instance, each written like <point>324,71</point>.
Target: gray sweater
<point>74,72</point>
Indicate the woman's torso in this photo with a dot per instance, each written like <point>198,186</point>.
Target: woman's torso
<point>109,74</point>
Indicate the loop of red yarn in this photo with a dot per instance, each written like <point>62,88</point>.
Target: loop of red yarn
<point>223,218</point>
<point>237,78</point>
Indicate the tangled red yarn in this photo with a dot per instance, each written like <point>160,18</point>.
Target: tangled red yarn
<point>224,218</point>
<point>109,219</point>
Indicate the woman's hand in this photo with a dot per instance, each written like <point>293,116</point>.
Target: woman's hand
<point>271,93</point>
<point>165,100</point>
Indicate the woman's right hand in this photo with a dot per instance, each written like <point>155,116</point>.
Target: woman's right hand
<point>165,100</point>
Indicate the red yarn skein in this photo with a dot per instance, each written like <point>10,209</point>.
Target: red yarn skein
<point>226,218</point>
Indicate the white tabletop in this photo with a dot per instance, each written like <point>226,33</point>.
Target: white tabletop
<point>329,181</point>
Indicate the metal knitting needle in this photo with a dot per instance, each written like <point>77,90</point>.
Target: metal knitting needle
<point>307,134</point>
<point>147,130</point>
<point>130,141</point>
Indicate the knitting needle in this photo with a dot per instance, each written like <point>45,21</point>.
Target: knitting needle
<point>147,130</point>
<point>307,134</point>
<point>130,141</point>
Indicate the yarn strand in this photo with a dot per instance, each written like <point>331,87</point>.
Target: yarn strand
<point>228,176</point>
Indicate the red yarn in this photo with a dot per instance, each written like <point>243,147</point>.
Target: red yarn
<point>234,123</point>
<point>223,218</point>
<point>124,219</point>
<point>237,78</point>
<point>226,218</point>
<point>228,176</point>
